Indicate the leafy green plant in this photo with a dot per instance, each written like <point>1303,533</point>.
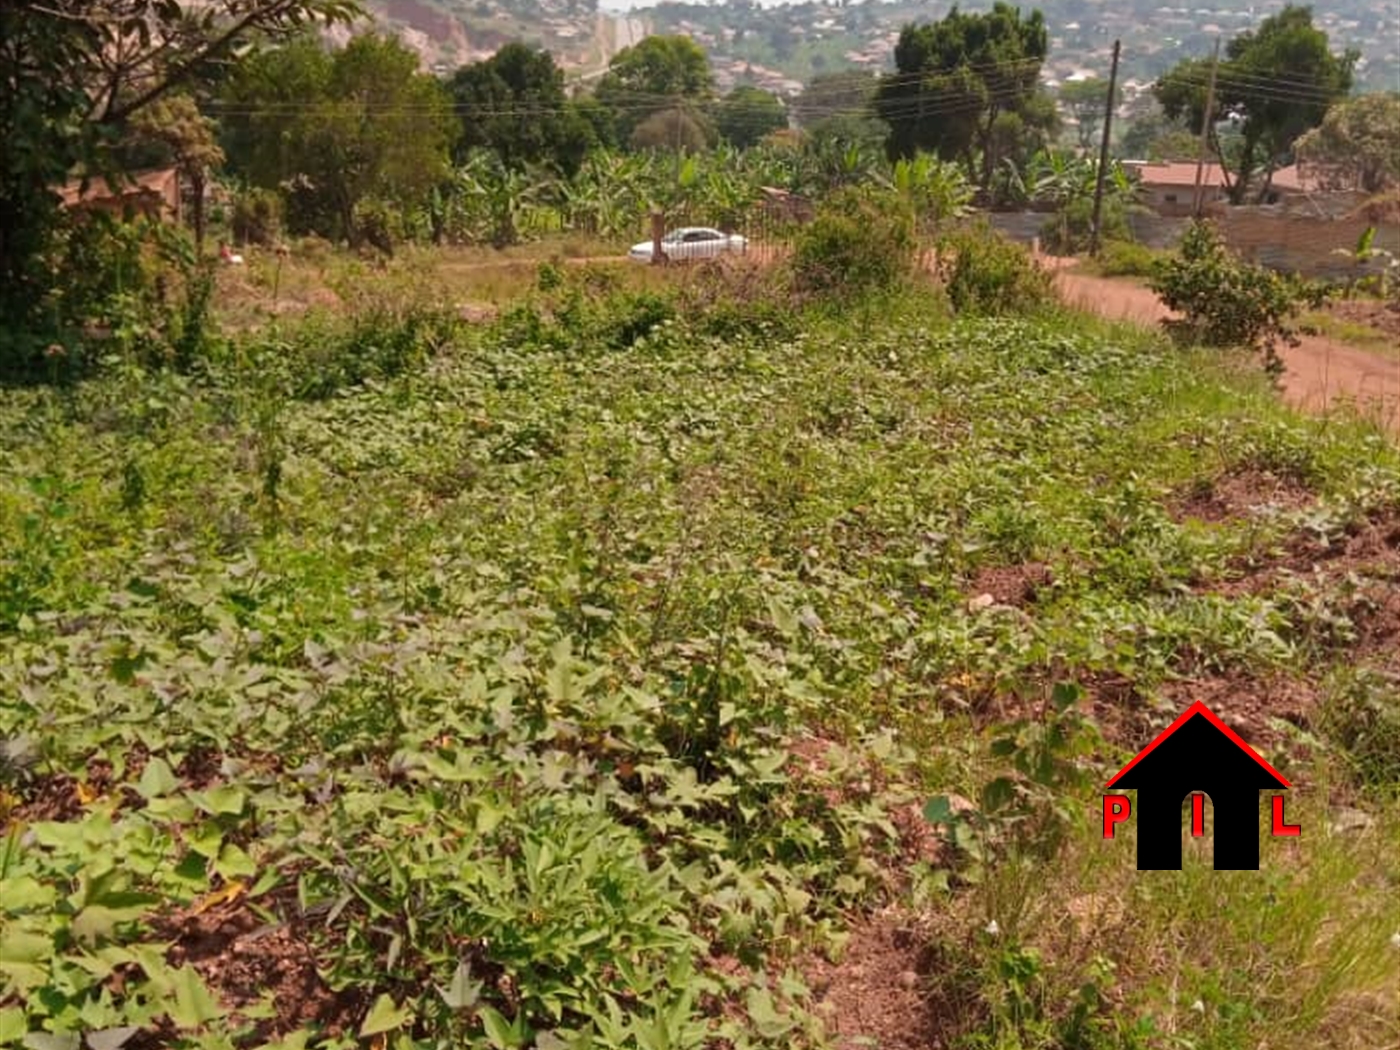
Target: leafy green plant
<point>1126,259</point>
<point>1069,231</point>
<point>1385,281</point>
<point>1025,813</point>
<point>984,273</point>
<point>859,242</point>
<point>1225,302</point>
<point>256,216</point>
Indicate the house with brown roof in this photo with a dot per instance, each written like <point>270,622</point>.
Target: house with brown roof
<point>153,194</point>
<point>1169,187</point>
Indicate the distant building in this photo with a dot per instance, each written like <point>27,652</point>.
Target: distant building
<point>153,194</point>
<point>1169,188</point>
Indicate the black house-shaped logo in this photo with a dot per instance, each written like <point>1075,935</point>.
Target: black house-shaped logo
<point>1196,753</point>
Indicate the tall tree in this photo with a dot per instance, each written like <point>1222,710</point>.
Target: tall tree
<point>962,84</point>
<point>370,125</point>
<point>1152,136</point>
<point>514,103</point>
<point>676,130</point>
<point>1358,143</point>
<point>1084,101</point>
<point>849,93</point>
<point>1278,81</point>
<point>176,128</point>
<point>747,114</point>
<point>658,73</point>
<point>74,72</point>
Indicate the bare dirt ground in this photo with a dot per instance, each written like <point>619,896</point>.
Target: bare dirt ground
<point>1322,374</point>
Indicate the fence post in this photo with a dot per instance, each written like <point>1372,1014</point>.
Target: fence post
<point>658,233</point>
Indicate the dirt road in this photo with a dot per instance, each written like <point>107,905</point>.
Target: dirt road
<point>1322,374</point>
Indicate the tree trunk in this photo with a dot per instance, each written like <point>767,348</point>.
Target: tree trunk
<point>1240,189</point>
<point>198,184</point>
<point>1267,183</point>
<point>988,160</point>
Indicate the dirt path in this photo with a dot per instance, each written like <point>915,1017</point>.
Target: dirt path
<point>1321,374</point>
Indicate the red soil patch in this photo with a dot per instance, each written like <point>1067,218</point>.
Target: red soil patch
<point>416,15</point>
<point>1017,585</point>
<point>1250,705</point>
<point>1371,312</point>
<point>51,798</point>
<point>1369,553</point>
<point>246,962</point>
<point>1238,494</point>
<point>879,994</point>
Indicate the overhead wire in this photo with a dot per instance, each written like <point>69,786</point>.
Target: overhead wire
<point>944,100</point>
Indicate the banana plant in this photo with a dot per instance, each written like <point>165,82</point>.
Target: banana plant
<point>936,190</point>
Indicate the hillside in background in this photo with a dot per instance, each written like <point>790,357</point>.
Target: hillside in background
<point>451,33</point>
<point>780,47</point>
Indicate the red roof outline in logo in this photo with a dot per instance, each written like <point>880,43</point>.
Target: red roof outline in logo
<point>1199,708</point>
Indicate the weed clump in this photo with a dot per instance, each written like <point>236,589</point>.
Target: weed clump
<point>1127,259</point>
<point>1070,230</point>
<point>1362,716</point>
<point>859,243</point>
<point>986,274</point>
<point>324,354</point>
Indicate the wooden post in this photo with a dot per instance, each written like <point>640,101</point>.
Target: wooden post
<point>1094,238</point>
<point>658,234</point>
<point>1198,198</point>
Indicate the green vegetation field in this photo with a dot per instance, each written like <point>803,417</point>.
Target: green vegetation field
<point>580,679</point>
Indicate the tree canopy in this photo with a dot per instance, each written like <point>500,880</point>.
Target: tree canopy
<point>658,73</point>
<point>1084,101</point>
<point>73,73</point>
<point>365,124</point>
<point>1357,143</point>
<point>965,86</point>
<point>676,129</point>
<point>747,114</point>
<point>1153,136</point>
<point>514,103</point>
<point>849,92</point>
<point>1278,81</point>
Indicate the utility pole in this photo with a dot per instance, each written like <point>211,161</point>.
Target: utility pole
<point>1198,198</point>
<point>1094,238</point>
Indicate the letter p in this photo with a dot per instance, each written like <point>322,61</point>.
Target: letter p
<point>1116,809</point>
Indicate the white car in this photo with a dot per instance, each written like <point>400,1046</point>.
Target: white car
<point>692,242</point>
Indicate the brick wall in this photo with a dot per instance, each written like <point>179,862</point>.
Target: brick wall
<point>1273,235</point>
<point>1298,243</point>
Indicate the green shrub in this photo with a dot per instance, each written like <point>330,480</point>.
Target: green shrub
<point>378,224</point>
<point>579,312</point>
<point>732,297</point>
<point>858,243</point>
<point>1127,259</point>
<point>1068,231</point>
<point>1224,301</point>
<point>326,354</point>
<point>133,289</point>
<point>984,273</point>
<point>256,217</point>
